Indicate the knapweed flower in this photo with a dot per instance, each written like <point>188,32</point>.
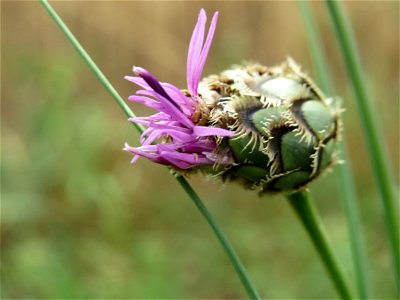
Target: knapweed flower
<point>269,128</point>
<point>186,144</point>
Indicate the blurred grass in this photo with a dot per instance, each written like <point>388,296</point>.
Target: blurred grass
<point>79,221</point>
<point>345,178</point>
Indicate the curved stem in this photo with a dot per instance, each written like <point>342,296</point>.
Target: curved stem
<point>345,178</point>
<point>238,266</point>
<point>308,215</point>
<point>92,65</point>
<point>372,134</point>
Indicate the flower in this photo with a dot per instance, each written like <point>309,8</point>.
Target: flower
<point>268,128</point>
<point>185,144</point>
<point>286,130</point>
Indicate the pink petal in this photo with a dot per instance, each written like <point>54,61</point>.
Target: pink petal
<point>197,53</point>
<point>196,43</point>
<point>184,160</point>
<point>138,81</point>
<point>204,53</point>
<point>146,101</point>
<point>186,103</point>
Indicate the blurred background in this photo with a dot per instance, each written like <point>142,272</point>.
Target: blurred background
<point>79,221</point>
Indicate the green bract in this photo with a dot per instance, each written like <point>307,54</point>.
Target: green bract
<point>286,129</point>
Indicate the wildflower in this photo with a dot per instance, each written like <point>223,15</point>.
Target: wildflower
<point>269,128</point>
<point>185,143</point>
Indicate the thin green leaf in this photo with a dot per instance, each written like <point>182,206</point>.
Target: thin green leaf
<point>346,182</point>
<point>372,133</point>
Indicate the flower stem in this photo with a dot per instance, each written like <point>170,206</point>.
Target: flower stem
<point>92,65</point>
<point>372,134</point>
<point>345,177</point>
<point>237,264</point>
<point>308,215</point>
<point>244,278</point>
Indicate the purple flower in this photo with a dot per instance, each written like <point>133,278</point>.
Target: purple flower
<point>183,143</point>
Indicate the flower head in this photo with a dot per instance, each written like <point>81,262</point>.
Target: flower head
<point>270,128</point>
<point>185,144</point>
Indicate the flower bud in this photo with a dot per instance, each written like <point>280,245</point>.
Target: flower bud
<point>269,128</point>
<point>285,129</point>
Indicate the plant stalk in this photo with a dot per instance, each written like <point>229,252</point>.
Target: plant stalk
<point>373,135</point>
<point>244,278</point>
<point>305,210</point>
<point>345,178</point>
<point>235,260</point>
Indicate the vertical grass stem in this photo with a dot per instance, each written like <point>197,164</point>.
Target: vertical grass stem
<point>374,138</point>
<point>346,182</point>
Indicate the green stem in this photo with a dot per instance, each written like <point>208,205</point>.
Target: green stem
<point>349,196</point>
<point>244,278</point>
<point>375,145</point>
<point>92,65</point>
<point>308,215</point>
<point>315,46</point>
<point>349,200</point>
<point>346,182</point>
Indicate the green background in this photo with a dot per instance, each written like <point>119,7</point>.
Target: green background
<point>79,221</point>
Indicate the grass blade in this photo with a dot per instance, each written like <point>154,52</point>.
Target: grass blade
<point>346,181</point>
<point>235,260</point>
<point>372,134</point>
